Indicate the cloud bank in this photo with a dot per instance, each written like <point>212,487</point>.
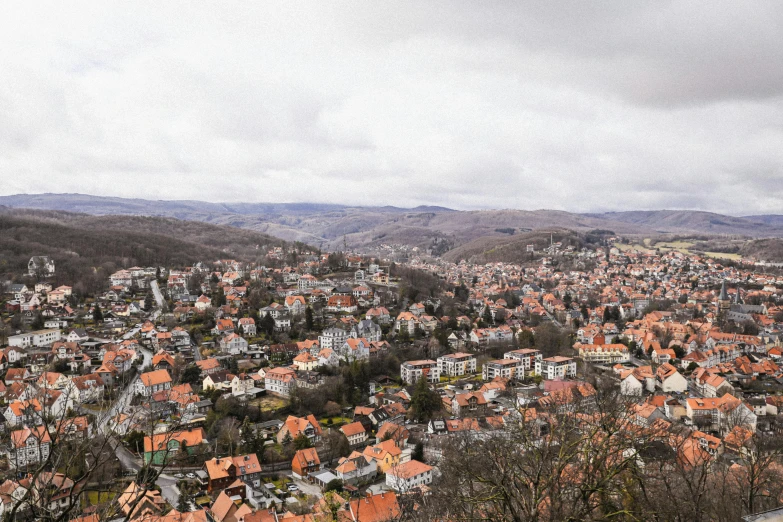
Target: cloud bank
<point>582,106</point>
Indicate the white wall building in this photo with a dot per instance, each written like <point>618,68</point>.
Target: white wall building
<point>557,367</point>
<point>38,338</point>
<point>412,371</point>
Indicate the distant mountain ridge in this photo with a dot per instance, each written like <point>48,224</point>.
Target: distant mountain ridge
<point>332,225</point>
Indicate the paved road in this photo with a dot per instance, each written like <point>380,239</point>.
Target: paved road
<point>168,488</point>
<point>196,351</point>
<point>638,362</point>
<point>555,321</point>
<point>147,357</point>
<point>130,334</point>
<point>156,293</point>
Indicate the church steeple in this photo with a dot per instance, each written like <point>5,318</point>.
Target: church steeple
<point>724,295</point>
<point>724,302</point>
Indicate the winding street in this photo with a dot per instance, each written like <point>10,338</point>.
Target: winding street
<point>129,461</point>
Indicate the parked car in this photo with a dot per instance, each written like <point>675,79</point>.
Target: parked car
<point>179,475</point>
<point>191,475</point>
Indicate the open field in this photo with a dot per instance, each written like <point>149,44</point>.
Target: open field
<point>685,246</point>
<point>622,247</point>
<point>270,403</point>
<point>680,246</point>
<point>723,255</point>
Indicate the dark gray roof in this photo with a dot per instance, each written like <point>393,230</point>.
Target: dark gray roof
<point>724,296</point>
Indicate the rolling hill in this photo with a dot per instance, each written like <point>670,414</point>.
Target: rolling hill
<point>512,248</point>
<point>83,245</point>
<point>330,226</point>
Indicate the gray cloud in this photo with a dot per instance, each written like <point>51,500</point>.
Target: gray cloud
<point>583,106</point>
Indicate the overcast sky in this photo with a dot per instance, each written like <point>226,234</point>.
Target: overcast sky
<point>580,106</point>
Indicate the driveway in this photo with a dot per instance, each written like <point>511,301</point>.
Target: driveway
<point>168,488</point>
<point>307,488</point>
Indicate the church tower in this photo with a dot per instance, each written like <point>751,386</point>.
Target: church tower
<point>724,302</point>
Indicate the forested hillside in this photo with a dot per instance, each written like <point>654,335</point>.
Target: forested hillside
<point>512,248</point>
<point>86,247</point>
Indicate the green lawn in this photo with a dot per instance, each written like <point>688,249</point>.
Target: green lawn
<point>100,497</point>
<point>336,421</point>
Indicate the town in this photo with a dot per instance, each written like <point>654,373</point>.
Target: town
<point>322,386</point>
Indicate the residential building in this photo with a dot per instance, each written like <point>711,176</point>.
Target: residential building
<point>408,475</point>
<point>29,446</point>
<point>280,381</point>
<point>295,426</point>
<point>333,338</point>
<point>233,344</point>
<point>356,469</point>
<point>305,461</point>
<point>355,433</point>
<point>162,447</point>
<point>557,367</point>
<point>472,404</point>
<point>504,368</point>
<point>457,364</point>
<point>669,380</point>
<point>528,356</point>
<point>412,371</point>
<point>386,455</point>
<point>38,338</point>
<point>604,354</point>
<point>224,471</point>
<point>151,382</point>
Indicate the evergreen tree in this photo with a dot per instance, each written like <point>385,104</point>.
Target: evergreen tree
<point>418,452</point>
<point>38,322</point>
<point>309,318</point>
<point>219,298</point>
<point>97,315</point>
<point>183,506</point>
<point>425,402</point>
<point>487,315</point>
<point>526,339</point>
<point>302,442</point>
<point>148,302</point>
<point>268,324</point>
<point>249,437</point>
<point>192,374</point>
